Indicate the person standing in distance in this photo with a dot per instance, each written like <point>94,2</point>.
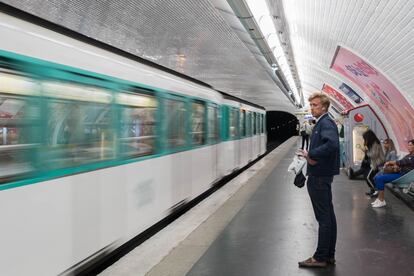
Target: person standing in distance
<point>305,131</point>
<point>323,164</point>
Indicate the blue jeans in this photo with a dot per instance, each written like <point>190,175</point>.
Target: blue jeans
<point>319,189</point>
<point>381,178</point>
<point>305,139</point>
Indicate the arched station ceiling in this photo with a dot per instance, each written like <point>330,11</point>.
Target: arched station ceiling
<point>366,44</point>
<point>205,40</point>
<point>190,37</point>
<point>381,32</point>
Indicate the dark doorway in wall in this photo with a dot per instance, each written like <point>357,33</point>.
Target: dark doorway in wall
<point>280,126</point>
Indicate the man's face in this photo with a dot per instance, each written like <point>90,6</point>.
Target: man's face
<point>316,108</point>
<point>411,147</point>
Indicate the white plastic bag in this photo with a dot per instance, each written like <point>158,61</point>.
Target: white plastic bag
<point>297,164</point>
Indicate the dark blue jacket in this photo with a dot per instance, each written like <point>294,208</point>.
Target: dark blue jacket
<point>406,164</point>
<point>324,148</point>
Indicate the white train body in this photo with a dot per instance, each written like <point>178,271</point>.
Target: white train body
<point>55,220</point>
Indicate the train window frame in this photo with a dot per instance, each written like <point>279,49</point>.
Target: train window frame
<point>20,136</point>
<point>242,123</point>
<point>236,128</point>
<point>137,99</point>
<point>254,123</point>
<point>215,138</point>
<point>194,132</point>
<point>248,124</point>
<point>260,123</point>
<point>166,145</point>
<point>225,122</point>
<point>74,152</point>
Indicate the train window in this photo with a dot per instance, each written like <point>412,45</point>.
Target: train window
<point>243,123</point>
<point>19,126</point>
<point>79,122</point>
<point>263,123</point>
<point>175,115</point>
<point>233,128</point>
<point>213,126</point>
<point>137,124</point>
<point>249,124</point>
<point>254,123</point>
<point>198,123</point>
<point>260,123</point>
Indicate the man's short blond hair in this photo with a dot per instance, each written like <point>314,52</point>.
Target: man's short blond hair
<point>323,97</point>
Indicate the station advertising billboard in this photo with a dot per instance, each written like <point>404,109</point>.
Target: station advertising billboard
<point>336,95</point>
<point>336,106</point>
<point>395,107</point>
<point>351,93</point>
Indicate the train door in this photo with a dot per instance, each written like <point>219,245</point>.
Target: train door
<point>260,134</point>
<point>250,137</point>
<point>228,150</point>
<point>204,132</point>
<point>254,137</point>
<point>242,142</point>
<point>235,133</point>
<point>257,139</point>
<point>177,138</point>
<point>213,137</point>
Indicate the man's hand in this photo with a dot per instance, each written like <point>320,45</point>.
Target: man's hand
<point>304,153</point>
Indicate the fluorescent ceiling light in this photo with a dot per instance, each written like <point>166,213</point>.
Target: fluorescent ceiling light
<point>266,25</point>
<point>264,19</point>
<point>258,7</point>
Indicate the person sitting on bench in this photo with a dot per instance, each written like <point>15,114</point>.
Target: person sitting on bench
<point>392,171</point>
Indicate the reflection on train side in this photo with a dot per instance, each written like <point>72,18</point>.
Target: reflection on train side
<point>51,124</point>
<point>57,124</point>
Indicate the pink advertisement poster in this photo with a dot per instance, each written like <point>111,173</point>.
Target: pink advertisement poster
<point>380,90</point>
<point>337,96</point>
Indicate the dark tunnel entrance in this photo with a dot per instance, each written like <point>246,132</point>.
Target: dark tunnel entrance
<point>280,126</point>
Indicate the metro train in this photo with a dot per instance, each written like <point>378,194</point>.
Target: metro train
<point>96,148</point>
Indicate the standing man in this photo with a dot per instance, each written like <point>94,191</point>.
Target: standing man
<point>305,131</point>
<point>323,164</point>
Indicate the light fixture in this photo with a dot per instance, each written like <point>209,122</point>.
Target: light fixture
<point>264,19</point>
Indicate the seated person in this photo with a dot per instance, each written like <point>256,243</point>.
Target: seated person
<point>390,151</point>
<point>398,168</point>
<point>365,167</point>
<point>390,155</point>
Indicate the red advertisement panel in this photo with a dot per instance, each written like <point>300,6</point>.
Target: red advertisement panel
<point>337,96</point>
<point>380,90</point>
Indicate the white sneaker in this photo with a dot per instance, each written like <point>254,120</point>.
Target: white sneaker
<point>375,201</point>
<point>379,204</point>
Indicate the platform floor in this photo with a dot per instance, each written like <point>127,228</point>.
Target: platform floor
<point>275,228</point>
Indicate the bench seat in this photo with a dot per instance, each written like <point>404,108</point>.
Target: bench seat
<point>405,180</point>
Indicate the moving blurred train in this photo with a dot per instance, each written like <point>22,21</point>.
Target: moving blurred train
<point>95,148</point>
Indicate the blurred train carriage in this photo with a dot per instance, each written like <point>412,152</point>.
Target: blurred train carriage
<point>96,148</point>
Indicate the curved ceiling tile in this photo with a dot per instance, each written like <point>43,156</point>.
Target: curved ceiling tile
<point>381,32</point>
<point>187,36</point>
